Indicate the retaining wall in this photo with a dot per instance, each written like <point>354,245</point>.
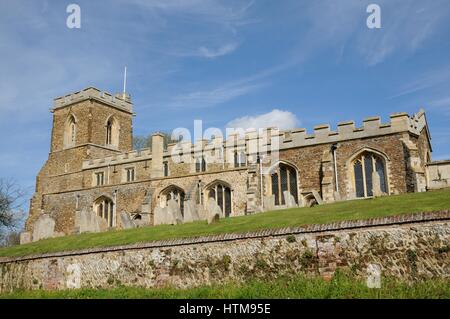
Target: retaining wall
<point>407,246</point>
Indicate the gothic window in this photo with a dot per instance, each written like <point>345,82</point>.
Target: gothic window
<point>221,193</point>
<point>363,168</point>
<point>109,133</point>
<point>283,178</point>
<point>104,208</point>
<point>70,132</point>
<point>112,132</point>
<point>175,193</point>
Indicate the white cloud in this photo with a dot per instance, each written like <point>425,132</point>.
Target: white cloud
<point>406,26</point>
<point>276,118</point>
<point>223,50</point>
<point>441,104</point>
<point>430,79</point>
<point>212,97</point>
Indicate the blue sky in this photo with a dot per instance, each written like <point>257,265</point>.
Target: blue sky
<point>299,63</point>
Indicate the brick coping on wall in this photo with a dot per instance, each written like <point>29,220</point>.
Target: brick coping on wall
<point>313,228</point>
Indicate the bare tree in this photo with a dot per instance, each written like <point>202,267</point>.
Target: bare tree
<point>140,142</point>
<point>11,214</point>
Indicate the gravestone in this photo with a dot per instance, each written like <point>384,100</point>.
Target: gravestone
<point>190,212</point>
<point>376,184</point>
<point>269,203</point>
<point>317,197</point>
<point>214,211</point>
<point>44,227</point>
<point>126,221</point>
<point>88,222</point>
<point>373,276</point>
<point>173,210</point>
<point>160,217</point>
<point>202,212</point>
<point>289,199</point>
<point>25,238</point>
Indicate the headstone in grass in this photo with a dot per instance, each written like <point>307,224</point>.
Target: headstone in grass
<point>373,276</point>
<point>376,184</point>
<point>289,199</point>
<point>126,221</point>
<point>269,203</point>
<point>44,227</point>
<point>190,212</point>
<point>173,210</point>
<point>88,222</point>
<point>202,212</point>
<point>160,216</point>
<point>317,197</point>
<point>25,238</point>
<point>214,211</point>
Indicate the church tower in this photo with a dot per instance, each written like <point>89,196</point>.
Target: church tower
<point>92,118</point>
<point>88,124</point>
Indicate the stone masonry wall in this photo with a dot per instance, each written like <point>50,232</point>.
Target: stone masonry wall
<point>130,196</point>
<point>408,247</point>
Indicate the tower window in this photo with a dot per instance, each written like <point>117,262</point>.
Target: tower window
<point>70,132</point>
<point>100,179</point>
<point>112,132</point>
<point>130,174</point>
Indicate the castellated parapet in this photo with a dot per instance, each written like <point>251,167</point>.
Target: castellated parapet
<point>295,138</point>
<point>120,101</point>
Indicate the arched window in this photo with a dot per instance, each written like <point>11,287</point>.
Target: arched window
<point>70,132</point>
<point>175,193</point>
<point>112,132</point>
<point>363,167</point>
<point>222,195</point>
<point>283,178</point>
<point>104,208</point>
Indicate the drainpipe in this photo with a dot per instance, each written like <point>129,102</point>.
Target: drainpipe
<point>333,148</point>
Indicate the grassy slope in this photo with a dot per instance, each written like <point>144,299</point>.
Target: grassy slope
<point>348,210</point>
<point>342,286</point>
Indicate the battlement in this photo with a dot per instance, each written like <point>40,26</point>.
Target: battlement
<point>117,101</point>
<point>253,140</point>
<point>128,157</point>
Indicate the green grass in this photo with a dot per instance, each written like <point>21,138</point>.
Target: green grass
<point>341,286</point>
<point>348,210</point>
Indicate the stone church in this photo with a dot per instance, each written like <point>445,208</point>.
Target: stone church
<point>93,180</point>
